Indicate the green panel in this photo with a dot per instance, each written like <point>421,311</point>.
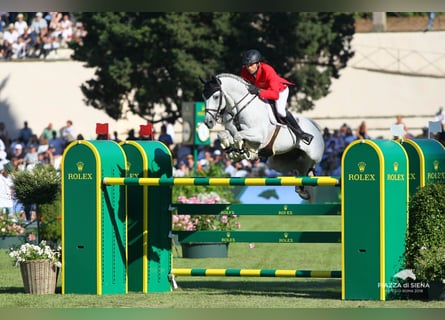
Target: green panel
<point>94,223</point>
<point>260,236</point>
<point>114,252</point>
<point>260,209</point>
<point>188,117</point>
<point>159,217</point>
<point>361,195</point>
<point>434,154</point>
<point>396,211</point>
<point>426,162</point>
<point>200,113</point>
<point>375,188</point>
<point>79,245</point>
<point>136,164</point>
<point>415,178</point>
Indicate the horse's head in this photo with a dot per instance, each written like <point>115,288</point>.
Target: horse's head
<point>213,97</point>
<point>224,94</point>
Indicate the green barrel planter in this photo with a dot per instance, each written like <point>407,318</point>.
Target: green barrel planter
<point>196,250</point>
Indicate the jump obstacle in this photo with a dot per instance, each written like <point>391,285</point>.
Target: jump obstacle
<point>120,195</point>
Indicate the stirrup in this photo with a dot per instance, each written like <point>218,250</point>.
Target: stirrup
<point>307,138</point>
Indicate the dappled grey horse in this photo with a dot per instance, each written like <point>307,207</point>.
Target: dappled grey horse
<point>251,129</point>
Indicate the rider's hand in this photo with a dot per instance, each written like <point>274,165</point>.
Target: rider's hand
<point>253,89</point>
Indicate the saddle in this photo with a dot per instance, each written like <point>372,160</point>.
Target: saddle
<point>268,149</point>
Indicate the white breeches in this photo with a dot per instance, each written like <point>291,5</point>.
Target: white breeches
<point>281,102</point>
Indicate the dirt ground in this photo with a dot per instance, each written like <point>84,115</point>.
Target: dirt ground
<point>403,24</point>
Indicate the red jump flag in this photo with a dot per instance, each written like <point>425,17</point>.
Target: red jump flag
<point>146,130</point>
<point>102,128</point>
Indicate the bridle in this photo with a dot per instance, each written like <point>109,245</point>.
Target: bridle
<point>217,114</point>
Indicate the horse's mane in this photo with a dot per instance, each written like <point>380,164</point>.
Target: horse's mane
<point>233,76</point>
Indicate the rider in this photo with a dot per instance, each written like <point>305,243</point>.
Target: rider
<point>267,84</point>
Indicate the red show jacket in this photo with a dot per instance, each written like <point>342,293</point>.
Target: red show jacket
<point>270,83</point>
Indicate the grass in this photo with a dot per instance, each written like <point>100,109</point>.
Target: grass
<point>230,292</point>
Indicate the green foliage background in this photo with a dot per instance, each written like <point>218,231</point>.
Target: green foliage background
<point>142,59</point>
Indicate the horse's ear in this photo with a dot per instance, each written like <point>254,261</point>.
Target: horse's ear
<point>216,80</point>
<point>202,80</point>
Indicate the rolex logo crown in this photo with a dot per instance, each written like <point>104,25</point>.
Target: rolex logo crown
<point>361,166</point>
<point>436,165</point>
<point>80,165</point>
<point>396,166</point>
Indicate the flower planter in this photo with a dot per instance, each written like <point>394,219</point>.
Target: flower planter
<point>7,242</point>
<point>205,250</point>
<point>39,276</point>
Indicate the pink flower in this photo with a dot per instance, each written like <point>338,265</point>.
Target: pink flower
<point>204,221</point>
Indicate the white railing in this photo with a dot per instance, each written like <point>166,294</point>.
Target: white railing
<point>400,61</point>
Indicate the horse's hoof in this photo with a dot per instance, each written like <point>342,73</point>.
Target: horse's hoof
<point>238,144</point>
<point>234,156</point>
<point>252,156</point>
<point>225,144</point>
<point>303,193</point>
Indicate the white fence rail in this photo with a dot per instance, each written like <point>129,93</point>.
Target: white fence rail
<point>401,61</point>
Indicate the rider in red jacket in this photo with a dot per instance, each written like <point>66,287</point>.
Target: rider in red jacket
<point>267,84</point>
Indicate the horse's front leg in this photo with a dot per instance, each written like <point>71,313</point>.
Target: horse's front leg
<point>251,135</point>
<point>226,139</point>
<point>237,139</point>
<point>227,144</point>
<point>245,142</point>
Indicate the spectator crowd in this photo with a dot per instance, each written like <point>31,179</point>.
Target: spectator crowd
<point>35,35</point>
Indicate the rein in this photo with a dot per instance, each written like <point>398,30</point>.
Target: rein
<point>217,113</point>
<point>235,116</point>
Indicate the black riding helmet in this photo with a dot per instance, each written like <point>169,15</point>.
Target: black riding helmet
<point>251,56</point>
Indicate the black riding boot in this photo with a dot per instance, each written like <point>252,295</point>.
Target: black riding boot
<point>295,127</point>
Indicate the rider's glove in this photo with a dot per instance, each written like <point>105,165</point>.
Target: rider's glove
<point>253,89</point>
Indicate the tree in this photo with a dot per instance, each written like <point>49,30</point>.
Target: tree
<point>143,60</point>
<point>308,48</point>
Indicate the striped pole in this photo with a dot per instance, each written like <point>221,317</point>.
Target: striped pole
<point>204,181</point>
<point>255,273</point>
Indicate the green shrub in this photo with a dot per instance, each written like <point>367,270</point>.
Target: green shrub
<point>41,186</point>
<point>425,239</point>
<point>37,186</point>
<point>51,224</point>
